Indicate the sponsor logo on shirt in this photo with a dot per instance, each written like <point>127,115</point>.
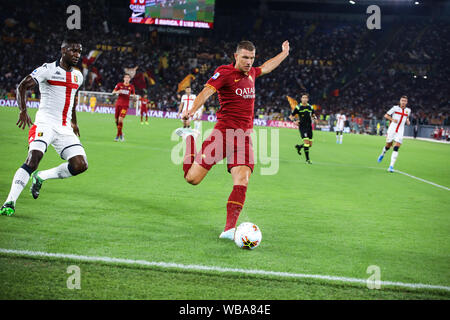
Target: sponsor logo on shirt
<point>246,93</point>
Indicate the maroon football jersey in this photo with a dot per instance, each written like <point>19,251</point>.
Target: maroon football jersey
<point>236,91</point>
<point>124,94</point>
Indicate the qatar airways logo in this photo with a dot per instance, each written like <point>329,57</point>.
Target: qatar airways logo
<point>246,93</point>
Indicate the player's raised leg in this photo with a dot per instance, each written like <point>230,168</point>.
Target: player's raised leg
<point>299,148</point>
<point>76,165</point>
<point>20,180</point>
<point>193,172</point>
<point>383,152</point>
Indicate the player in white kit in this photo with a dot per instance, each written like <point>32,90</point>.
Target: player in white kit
<point>197,118</point>
<point>340,120</point>
<point>398,116</point>
<point>187,101</point>
<point>55,123</point>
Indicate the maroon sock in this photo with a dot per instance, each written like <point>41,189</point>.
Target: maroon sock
<point>190,154</point>
<point>234,205</point>
<point>119,129</point>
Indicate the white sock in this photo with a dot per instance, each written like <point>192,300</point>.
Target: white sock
<point>384,151</point>
<point>393,158</point>
<point>59,172</point>
<point>341,136</point>
<point>19,182</point>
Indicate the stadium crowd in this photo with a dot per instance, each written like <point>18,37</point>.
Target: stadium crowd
<point>415,62</point>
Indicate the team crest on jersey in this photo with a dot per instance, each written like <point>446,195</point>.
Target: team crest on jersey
<point>215,76</point>
<point>251,78</point>
<point>75,78</point>
<point>40,134</point>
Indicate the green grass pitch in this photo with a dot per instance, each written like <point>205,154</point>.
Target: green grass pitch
<point>335,217</point>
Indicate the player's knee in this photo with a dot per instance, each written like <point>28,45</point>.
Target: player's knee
<point>396,148</point>
<point>242,181</point>
<point>193,180</point>
<point>78,166</point>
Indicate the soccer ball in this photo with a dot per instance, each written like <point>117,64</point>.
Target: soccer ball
<point>247,236</point>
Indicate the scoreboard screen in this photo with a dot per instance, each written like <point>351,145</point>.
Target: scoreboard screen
<point>174,13</point>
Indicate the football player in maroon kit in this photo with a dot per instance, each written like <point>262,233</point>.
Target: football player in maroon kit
<point>230,138</point>
<point>124,89</point>
<point>144,109</point>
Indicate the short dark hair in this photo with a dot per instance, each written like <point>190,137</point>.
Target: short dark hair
<point>406,97</point>
<point>304,94</point>
<point>70,38</point>
<point>245,44</point>
<point>127,74</point>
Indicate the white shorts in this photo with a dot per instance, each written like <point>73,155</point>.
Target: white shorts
<point>66,144</point>
<point>394,136</point>
<point>339,129</point>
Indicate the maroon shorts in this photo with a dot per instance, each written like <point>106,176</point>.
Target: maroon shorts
<point>121,111</point>
<point>234,144</point>
<point>144,110</point>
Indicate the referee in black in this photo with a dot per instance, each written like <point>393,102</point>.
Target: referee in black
<point>305,115</point>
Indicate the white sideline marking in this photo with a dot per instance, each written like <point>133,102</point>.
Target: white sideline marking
<point>378,168</point>
<point>423,180</point>
<point>194,267</point>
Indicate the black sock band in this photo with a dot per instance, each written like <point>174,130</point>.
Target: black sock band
<point>396,148</point>
<point>27,168</point>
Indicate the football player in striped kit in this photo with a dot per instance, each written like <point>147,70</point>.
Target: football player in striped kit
<point>55,123</point>
<point>398,117</point>
<point>340,120</point>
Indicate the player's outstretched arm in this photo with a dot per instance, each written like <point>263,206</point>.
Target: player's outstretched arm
<point>273,63</point>
<point>199,101</point>
<point>26,84</point>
